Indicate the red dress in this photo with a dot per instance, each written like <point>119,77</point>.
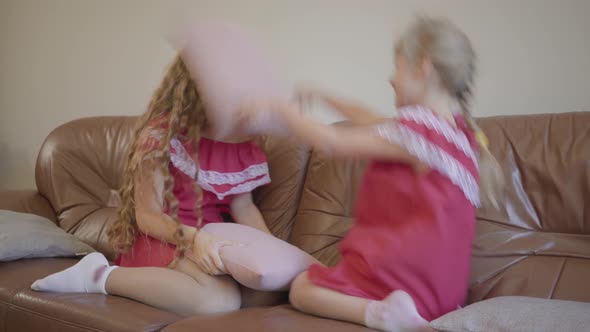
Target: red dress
<point>224,170</point>
<point>413,231</point>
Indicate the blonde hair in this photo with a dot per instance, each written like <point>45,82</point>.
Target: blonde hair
<point>177,105</point>
<point>453,58</point>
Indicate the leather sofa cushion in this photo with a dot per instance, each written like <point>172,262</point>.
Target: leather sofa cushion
<point>27,310</point>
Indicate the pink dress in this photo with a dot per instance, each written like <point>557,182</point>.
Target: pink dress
<point>413,231</point>
<point>224,171</point>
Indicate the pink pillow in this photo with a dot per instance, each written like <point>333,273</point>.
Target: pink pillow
<point>229,68</point>
<point>262,261</point>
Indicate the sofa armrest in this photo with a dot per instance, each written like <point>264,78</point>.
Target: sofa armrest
<point>27,201</point>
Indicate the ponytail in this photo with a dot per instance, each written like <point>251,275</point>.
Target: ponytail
<point>491,178</point>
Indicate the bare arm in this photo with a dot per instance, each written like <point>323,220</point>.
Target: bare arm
<point>149,202</point>
<point>246,213</point>
<point>151,220</point>
<point>356,113</point>
<point>342,141</point>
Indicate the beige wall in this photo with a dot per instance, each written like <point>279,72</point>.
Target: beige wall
<point>61,59</point>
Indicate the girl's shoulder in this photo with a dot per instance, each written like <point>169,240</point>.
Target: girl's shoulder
<point>229,157</point>
<point>223,168</point>
<point>423,124</point>
<point>231,168</point>
<point>437,143</point>
<point>151,137</point>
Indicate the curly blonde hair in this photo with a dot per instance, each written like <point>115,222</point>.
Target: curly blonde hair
<point>177,102</point>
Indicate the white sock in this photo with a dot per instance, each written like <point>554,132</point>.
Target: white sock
<point>396,313</point>
<point>89,275</point>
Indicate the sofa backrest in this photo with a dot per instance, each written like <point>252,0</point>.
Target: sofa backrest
<point>80,165</point>
<point>539,245</point>
<point>326,208</point>
<point>79,170</point>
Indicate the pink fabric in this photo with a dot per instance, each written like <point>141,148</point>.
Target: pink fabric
<point>229,68</point>
<point>413,232</point>
<point>228,160</point>
<point>261,261</point>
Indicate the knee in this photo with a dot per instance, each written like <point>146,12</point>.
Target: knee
<point>299,288</point>
<point>226,297</point>
<point>221,296</point>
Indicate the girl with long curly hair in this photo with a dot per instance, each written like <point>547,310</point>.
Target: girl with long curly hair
<point>177,179</point>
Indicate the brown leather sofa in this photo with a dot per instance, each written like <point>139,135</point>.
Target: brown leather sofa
<point>537,244</point>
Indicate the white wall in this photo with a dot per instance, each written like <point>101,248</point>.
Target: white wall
<point>65,59</point>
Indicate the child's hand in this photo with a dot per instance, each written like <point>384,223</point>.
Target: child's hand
<point>205,253</point>
<point>263,117</point>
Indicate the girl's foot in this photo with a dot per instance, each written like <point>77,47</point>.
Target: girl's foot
<point>396,313</point>
<point>89,275</point>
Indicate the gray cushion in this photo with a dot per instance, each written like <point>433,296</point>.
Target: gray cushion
<point>30,236</point>
<point>516,313</point>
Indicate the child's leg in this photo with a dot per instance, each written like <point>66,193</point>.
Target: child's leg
<point>396,313</point>
<point>186,290</point>
<point>319,301</point>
